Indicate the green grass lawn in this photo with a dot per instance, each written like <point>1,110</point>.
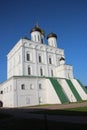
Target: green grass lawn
<point>79,109</point>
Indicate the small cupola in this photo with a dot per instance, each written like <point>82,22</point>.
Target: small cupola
<point>52,39</point>
<point>62,58</point>
<point>62,61</point>
<point>37,34</point>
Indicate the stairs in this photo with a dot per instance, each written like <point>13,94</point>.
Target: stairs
<point>63,98</point>
<point>73,89</point>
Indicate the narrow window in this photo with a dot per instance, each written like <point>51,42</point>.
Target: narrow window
<point>41,71</point>
<point>22,86</point>
<point>40,59</point>
<point>40,86</point>
<point>29,70</point>
<point>1,92</point>
<point>50,61</point>
<point>35,37</point>
<point>41,40</point>
<point>38,38</point>
<point>28,57</point>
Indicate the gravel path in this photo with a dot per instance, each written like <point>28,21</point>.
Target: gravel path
<point>61,106</point>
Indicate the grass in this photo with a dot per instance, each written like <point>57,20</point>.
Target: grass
<point>78,109</point>
<point>42,105</point>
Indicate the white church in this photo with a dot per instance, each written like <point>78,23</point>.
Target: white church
<point>38,74</point>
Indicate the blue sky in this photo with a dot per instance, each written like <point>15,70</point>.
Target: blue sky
<point>66,18</point>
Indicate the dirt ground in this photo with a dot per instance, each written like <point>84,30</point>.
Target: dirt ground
<point>61,106</point>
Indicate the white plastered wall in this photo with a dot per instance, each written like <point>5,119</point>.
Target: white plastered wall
<point>79,89</point>
<point>67,90</point>
<point>52,97</point>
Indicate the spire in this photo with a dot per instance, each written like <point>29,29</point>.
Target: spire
<point>36,25</point>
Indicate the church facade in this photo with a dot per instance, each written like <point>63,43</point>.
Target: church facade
<point>37,73</point>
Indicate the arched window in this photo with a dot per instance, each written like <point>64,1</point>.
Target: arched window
<point>1,104</point>
<point>35,37</point>
<point>38,38</point>
<point>50,60</point>
<point>40,59</point>
<point>28,56</point>
<point>41,40</point>
<point>41,71</point>
<point>40,86</point>
<point>29,70</point>
<point>22,86</point>
<point>52,42</point>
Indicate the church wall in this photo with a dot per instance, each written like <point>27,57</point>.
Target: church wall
<point>33,93</point>
<point>1,93</point>
<point>14,61</point>
<point>64,71</point>
<point>8,93</point>
<point>18,64</point>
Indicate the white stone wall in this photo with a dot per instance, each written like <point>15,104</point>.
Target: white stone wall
<point>64,71</point>
<point>18,63</point>
<point>79,89</point>
<point>52,97</point>
<point>8,93</point>
<point>1,93</point>
<point>67,90</point>
<point>29,91</point>
<point>34,92</point>
<point>14,61</point>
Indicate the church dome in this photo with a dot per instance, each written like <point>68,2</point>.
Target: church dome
<point>51,35</point>
<point>37,28</point>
